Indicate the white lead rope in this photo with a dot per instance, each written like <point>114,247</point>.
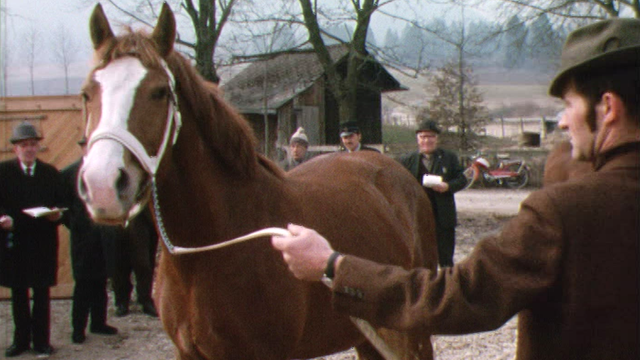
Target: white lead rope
<point>365,328</point>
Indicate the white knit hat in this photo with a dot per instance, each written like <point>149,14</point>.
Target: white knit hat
<point>299,135</point>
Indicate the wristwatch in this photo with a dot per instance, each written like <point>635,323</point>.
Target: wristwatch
<point>330,270</point>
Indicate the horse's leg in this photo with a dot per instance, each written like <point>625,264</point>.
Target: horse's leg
<point>405,346</point>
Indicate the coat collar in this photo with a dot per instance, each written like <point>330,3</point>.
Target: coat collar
<point>608,156</point>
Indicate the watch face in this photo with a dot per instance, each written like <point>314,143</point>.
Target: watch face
<point>327,281</point>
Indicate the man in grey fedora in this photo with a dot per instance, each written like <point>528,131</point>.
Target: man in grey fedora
<point>28,245</point>
<point>568,264</point>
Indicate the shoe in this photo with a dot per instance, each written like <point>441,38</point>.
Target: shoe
<point>78,337</point>
<point>15,350</point>
<point>122,310</point>
<point>44,350</point>
<point>104,329</point>
<point>150,309</point>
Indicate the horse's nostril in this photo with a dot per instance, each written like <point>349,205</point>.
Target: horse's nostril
<point>122,183</point>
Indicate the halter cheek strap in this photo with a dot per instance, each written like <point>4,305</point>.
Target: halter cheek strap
<point>129,141</point>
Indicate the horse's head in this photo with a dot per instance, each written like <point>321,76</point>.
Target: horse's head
<point>131,117</point>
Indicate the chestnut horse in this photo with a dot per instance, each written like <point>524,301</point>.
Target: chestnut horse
<point>159,134</point>
<point>560,166</point>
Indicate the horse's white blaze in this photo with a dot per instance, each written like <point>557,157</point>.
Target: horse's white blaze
<point>105,160</point>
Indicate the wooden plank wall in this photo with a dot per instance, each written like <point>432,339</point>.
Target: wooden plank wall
<point>59,120</point>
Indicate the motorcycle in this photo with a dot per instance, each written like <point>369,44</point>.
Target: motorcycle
<point>513,174</point>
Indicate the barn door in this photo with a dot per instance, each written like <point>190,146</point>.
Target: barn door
<point>309,119</point>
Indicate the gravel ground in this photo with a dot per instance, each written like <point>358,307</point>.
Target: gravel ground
<point>481,212</point>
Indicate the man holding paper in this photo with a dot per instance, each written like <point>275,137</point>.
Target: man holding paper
<point>441,175</point>
<point>28,244</point>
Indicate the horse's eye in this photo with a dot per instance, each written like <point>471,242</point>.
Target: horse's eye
<point>160,93</point>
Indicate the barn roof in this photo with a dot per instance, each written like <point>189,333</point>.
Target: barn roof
<point>289,74</point>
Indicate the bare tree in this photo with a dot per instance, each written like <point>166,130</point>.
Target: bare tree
<point>31,50</point>
<point>574,9</point>
<point>64,51</point>
<point>208,19</point>
<point>344,88</point>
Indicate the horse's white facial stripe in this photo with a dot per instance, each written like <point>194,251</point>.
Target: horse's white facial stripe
<point>119,82</point>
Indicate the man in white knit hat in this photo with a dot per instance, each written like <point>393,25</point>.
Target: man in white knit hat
<point>297,154</point>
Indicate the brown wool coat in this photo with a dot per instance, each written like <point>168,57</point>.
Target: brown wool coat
<point>568,264</point>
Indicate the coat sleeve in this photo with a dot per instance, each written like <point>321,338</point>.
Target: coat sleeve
<point>456,180</point>
<point>499,279</point>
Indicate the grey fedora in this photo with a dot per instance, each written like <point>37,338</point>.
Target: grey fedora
<point>606,44</point>
<point>24,131</point>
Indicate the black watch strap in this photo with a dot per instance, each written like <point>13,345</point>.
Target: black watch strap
<point>330,270</point>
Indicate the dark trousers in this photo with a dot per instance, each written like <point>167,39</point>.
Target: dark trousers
<point>446,245</point>
<point>31,323</point>
<point>89,297</point>
<point>139,259</point>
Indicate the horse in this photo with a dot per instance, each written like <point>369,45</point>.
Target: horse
<point>161,136</point>
<point>560,166</point>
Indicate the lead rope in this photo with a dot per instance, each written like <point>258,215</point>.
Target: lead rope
<point>365,328</point>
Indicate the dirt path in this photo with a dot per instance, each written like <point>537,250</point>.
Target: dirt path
<point>481,212</point>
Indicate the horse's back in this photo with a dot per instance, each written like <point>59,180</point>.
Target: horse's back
<point>370,206</point>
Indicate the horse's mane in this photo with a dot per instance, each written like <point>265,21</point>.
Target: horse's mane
<point>226,134</point>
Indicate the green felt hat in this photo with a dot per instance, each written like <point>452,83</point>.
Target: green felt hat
<point>610,43</point>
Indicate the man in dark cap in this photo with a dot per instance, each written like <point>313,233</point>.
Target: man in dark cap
<point>441,175</point>
<point>29,245</point>
<point>88,259</point>
<point>351,138</point>
<point>568,264</point>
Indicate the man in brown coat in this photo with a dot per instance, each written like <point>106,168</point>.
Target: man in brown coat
<point>568,264</point>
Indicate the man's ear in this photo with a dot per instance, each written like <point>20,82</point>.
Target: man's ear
<point>610,108</point>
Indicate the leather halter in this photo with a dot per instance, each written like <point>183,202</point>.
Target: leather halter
<point>131,143</point>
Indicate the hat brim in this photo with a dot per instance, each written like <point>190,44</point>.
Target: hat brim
<point>347,133</point>
<point>623,57</point>
<point>14,140</point>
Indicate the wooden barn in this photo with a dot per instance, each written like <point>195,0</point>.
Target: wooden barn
<point>59,120</point>
<point>287,90</point>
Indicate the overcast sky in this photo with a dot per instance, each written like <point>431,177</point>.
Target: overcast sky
<point>48,16</point>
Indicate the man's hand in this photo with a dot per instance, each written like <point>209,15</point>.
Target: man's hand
<point>305,251</point>
<point>441,188</point>
<point>55,216</point>
<point>6,222</point>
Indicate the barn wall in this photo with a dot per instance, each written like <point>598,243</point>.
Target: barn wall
<point>59,120</point>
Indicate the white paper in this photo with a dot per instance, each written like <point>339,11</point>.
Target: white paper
<point>39,211</point>
<point>431,180</point>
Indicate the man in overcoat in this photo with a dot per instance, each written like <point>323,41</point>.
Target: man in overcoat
<point>568,264</point>
<point>28,245</point>
<point>88,260</point>
<point>430,159</point>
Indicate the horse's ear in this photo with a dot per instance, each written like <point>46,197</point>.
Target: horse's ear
<point>164,34</point>
<point>99,27</point>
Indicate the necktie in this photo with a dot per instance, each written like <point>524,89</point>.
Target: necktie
<point>28,170</point>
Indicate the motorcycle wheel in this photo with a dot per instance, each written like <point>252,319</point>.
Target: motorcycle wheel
<point>520,181</point>
<point>470,174</point>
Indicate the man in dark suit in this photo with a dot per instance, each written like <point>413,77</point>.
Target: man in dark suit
<point>568,264</point>
<point>87,241</point>
<point>352,138</point>
<point>434,162</point>
<point>29,246</point>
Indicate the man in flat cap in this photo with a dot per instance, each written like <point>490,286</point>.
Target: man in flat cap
<point>567,264</point>
<point>352,138</point>
<point>441,175</point>
<point>29,245</point>
<point>298,150</point>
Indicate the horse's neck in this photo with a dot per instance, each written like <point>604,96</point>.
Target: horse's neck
<point>198,192</point>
